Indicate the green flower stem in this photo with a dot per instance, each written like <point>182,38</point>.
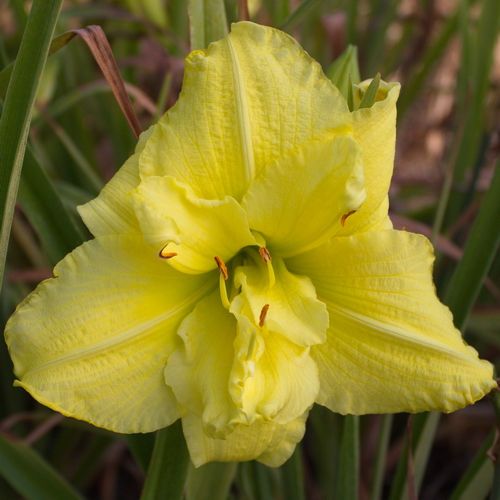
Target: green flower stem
<point>380,458</point>
<point>169,465</point>
<point>347,476</point>
<point>211,481</point>
<point>292,476</point>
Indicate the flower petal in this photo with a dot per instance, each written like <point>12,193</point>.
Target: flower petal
<point>198,370</point>
<point>299,202</point>
<point>92,342</point>
<point>375,132</point>
<point>293,309</point>
<point>196,230</point>
<point>272,378</point>
<point>391,345</point>
<point>245,101</point>
<point>265,441</point>
<point>112,212</point>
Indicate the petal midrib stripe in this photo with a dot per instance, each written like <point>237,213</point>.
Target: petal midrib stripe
<point>397,332</point>
<point>243,118</point>
<point>128,335</point>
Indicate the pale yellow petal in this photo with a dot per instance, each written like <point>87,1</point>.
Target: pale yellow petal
<point>299,202</point>
<point>293,309</point>
<point>112,211</point>
<point>375,132</point>
<point>198,371</point>
<point>174,219</point>
<point>245,101</point>
<point>272,378</point>
<point>267,442</point>
<point>391,345</point>
<point>92,342</point>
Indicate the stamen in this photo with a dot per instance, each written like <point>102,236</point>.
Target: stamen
<point>266,257</point>
<point>264,253</point>
<point>222,267</point>
<point>345,216</point>
<point>166,255</point>
<point>263,314</point>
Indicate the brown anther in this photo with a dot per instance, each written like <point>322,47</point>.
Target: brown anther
<point>263,314</point>
<point>345,216</point>
<point>222,267</point>
<point>166,255</point>
<point>264,253</point>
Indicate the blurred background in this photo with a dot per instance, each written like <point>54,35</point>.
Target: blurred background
<point>446,55</point>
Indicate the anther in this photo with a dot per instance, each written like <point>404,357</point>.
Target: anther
<point>222,267</point>
<point>166,255</point>
<point>264,253</point>
<point>263,314</point>
<point>345,216</point>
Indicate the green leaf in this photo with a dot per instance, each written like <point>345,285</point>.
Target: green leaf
<point>479,252</point>
<point>16,115</point>
<point>31,476</point>
<point>207,22</point>
<point>370,95</point>
<point>168,466</point>
<point>476,481</point>
<point>299,14</point>
<point>45,211</point>
<point>347,476</point>
<point>210,481</point>
<point>292,476</point>
<point>381,456</point>
<point>344,71</point>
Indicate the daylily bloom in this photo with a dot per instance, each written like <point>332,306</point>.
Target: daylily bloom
<point>244,267</point>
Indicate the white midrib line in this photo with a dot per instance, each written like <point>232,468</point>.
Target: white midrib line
<point>244,127</point>
<point>397,332</point>
<point>130,334</point>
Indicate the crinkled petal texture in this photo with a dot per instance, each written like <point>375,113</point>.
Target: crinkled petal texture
<point>391,344</point>
<point>298,202</point>
<point>234,379</point>
<point>375,133</point>
<point>92,342</point>
<point>232,120</point>
<point>265,441</point>
<point>194,229</point>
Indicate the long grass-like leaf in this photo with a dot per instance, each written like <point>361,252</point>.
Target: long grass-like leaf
<point>169,465</point>
<point>207,22</point>
<point>30,475</point>
<point>347,476</point>
<point>16,115</point>
<point>211,481</point>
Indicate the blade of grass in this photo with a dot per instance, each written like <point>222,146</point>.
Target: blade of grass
<point>380,458</point>
<point>299,14</point>
<point>476,480</point>
<point>474,109</point>
<point>347,476</point>
<point>211,481</point>
<point>207,22</point>
<point>16,116</point>
<point>169,465</point>
<point>31,476</point>
<point>256,481</point>
<point>45,211</point>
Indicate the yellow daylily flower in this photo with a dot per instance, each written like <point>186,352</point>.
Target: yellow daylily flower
<point>244,268</point>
